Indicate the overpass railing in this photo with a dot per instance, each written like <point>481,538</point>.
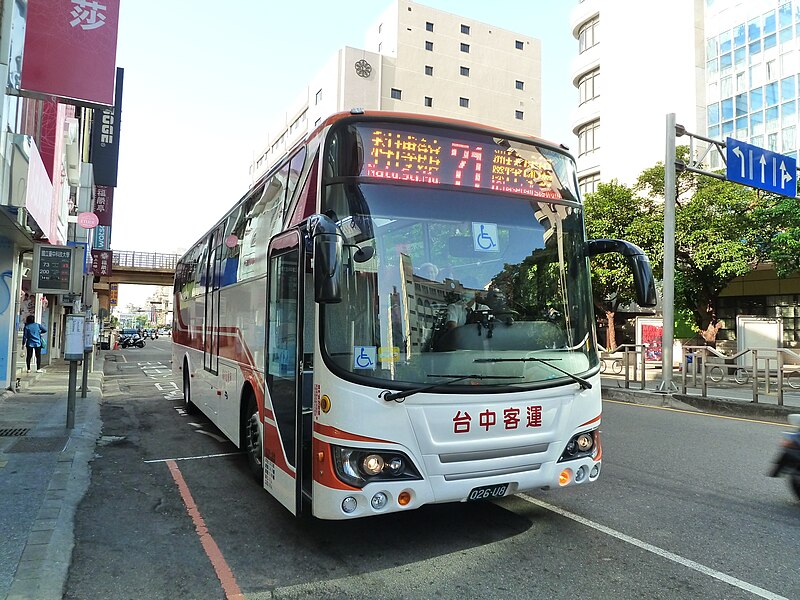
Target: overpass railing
<point>144,260</point>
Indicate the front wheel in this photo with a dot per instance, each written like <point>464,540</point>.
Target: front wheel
<point>252,439</point>
<point>188,405</point>
<point>794,483</point>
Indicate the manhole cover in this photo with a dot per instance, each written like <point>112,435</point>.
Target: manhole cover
<point>14,431</point>
<point>39,444</point>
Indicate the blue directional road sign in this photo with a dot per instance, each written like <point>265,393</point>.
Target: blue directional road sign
<point>761,168</point>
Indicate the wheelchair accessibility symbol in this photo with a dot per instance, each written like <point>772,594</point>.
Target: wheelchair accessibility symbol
<point>365,357</point>
<point>484,237</point>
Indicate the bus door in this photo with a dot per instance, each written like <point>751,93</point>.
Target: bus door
<point>284,372</point>
<point>211,317</point>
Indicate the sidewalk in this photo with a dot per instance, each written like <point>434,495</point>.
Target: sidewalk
<point>44,473</point>
<point>725,398</point>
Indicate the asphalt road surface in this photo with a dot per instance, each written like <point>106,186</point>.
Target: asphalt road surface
<point>683,509</point>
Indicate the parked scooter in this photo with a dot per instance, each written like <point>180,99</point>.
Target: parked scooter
<point>788,462</point>
<point>132,341</point>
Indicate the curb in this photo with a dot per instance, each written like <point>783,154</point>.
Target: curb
<point>709,404</point>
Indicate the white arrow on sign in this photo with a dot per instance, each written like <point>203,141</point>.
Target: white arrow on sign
<point>763,162</point>
<point>738,152</point>
<point>785,176</point>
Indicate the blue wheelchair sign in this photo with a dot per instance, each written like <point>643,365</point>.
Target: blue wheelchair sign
<point>365,357</point>
<point>484,237</point>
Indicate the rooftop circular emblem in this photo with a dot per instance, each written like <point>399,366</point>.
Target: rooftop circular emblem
<point>363,68</point>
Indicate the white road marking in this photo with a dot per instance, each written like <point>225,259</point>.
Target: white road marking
<point>159,460</point>
<point>743,585</point>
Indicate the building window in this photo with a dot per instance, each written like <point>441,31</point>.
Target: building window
<point>589,138</point>
<point>318,97</point>
<point>519,45</point>
<point>428,26</point>
<point>465,29</point>
<point>380,27</point>
<point>428,70</point>
<point>588,86</point>
<point>428,101</point>
<point>519,115</point>
<point>465,71</point>
<point>396,94</point>
<point>588,184</point>
<point>429,46</point>
<point>463,102</point>
<point>520,85</point>
<point>588,35</point>
<point>464,47</point>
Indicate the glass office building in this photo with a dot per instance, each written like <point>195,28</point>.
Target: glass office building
<point>752,50</point>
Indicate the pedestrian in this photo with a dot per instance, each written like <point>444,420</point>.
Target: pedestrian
<point>33,342</point>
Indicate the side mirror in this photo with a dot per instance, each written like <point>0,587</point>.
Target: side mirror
<point>328,244</point>
<point>643,281</point>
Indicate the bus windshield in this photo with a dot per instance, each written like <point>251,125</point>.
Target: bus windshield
<point>490,285</point>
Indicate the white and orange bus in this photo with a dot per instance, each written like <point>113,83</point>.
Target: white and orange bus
<point>400,313</point>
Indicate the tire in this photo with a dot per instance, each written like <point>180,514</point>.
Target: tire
<point>188,405</point>
<point>741,376</point>
<point>252,438</point>
<point>715,373</point>
<point>794,483</point>
<point>793,379</point>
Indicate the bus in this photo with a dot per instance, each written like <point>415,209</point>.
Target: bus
<point>400,313</point>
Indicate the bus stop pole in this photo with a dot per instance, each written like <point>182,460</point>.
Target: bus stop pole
<point>668,297</point>
<point>73,383</point>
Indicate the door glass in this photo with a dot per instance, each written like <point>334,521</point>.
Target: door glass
<point>282,347</point>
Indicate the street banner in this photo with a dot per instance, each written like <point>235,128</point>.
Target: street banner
<point>70,51</point>
<point>101,262</point>
<point>103,204</point>
<point>105,138</point>
<point>102,237</point>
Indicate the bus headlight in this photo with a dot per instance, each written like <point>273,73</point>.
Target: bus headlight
<point>360,466</point>
<point>372,464</point>
<point>581,445</point>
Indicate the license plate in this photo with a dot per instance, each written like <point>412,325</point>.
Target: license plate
<point>487,492</point>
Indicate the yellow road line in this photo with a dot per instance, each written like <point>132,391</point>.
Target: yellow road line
<point>698,413</point>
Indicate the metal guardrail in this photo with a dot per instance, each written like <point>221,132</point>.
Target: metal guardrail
<point>629,359</point>
<point>145,260</point>
<point>769,372</point>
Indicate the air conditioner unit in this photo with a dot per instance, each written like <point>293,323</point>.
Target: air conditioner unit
<point>72,151</point>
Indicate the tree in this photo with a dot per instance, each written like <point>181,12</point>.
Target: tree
<point>715,229</point>
<point>614,211</point>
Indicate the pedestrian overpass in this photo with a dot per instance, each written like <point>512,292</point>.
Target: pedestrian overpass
<point>140,268</point>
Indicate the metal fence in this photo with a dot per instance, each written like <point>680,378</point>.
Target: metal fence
<point>145,260</point>
<point>752,374</point>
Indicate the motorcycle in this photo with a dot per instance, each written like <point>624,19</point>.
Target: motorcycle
<point>132,341</point>
<point>788,462</point>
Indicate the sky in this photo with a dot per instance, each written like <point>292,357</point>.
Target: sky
<point>204,80</point>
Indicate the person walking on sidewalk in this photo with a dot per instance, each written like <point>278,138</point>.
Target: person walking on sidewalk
<point>32,340</point>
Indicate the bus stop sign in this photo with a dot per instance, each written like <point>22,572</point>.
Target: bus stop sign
<point>760,168</point>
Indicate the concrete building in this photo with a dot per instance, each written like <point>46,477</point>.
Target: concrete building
<point>634,66</point>
<point>421,60</point>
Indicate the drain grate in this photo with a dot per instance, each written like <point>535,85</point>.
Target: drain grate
<point>14,431</point>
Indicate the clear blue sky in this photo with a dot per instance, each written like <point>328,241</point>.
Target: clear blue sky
<point>204,80</point>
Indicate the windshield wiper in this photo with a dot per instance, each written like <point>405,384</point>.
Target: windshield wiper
<point>389,396</point>
<point>580,380</point>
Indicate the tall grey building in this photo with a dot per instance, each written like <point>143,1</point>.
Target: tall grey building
<point>421,60</point>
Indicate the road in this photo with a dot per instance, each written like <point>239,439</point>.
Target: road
<point>683,509</point>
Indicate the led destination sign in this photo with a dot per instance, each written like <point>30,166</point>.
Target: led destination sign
<point>52,269</point>
<point>429,156</point>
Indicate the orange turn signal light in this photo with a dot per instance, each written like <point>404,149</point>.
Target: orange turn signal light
<point>565,477</point>
<point>403,498</point>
